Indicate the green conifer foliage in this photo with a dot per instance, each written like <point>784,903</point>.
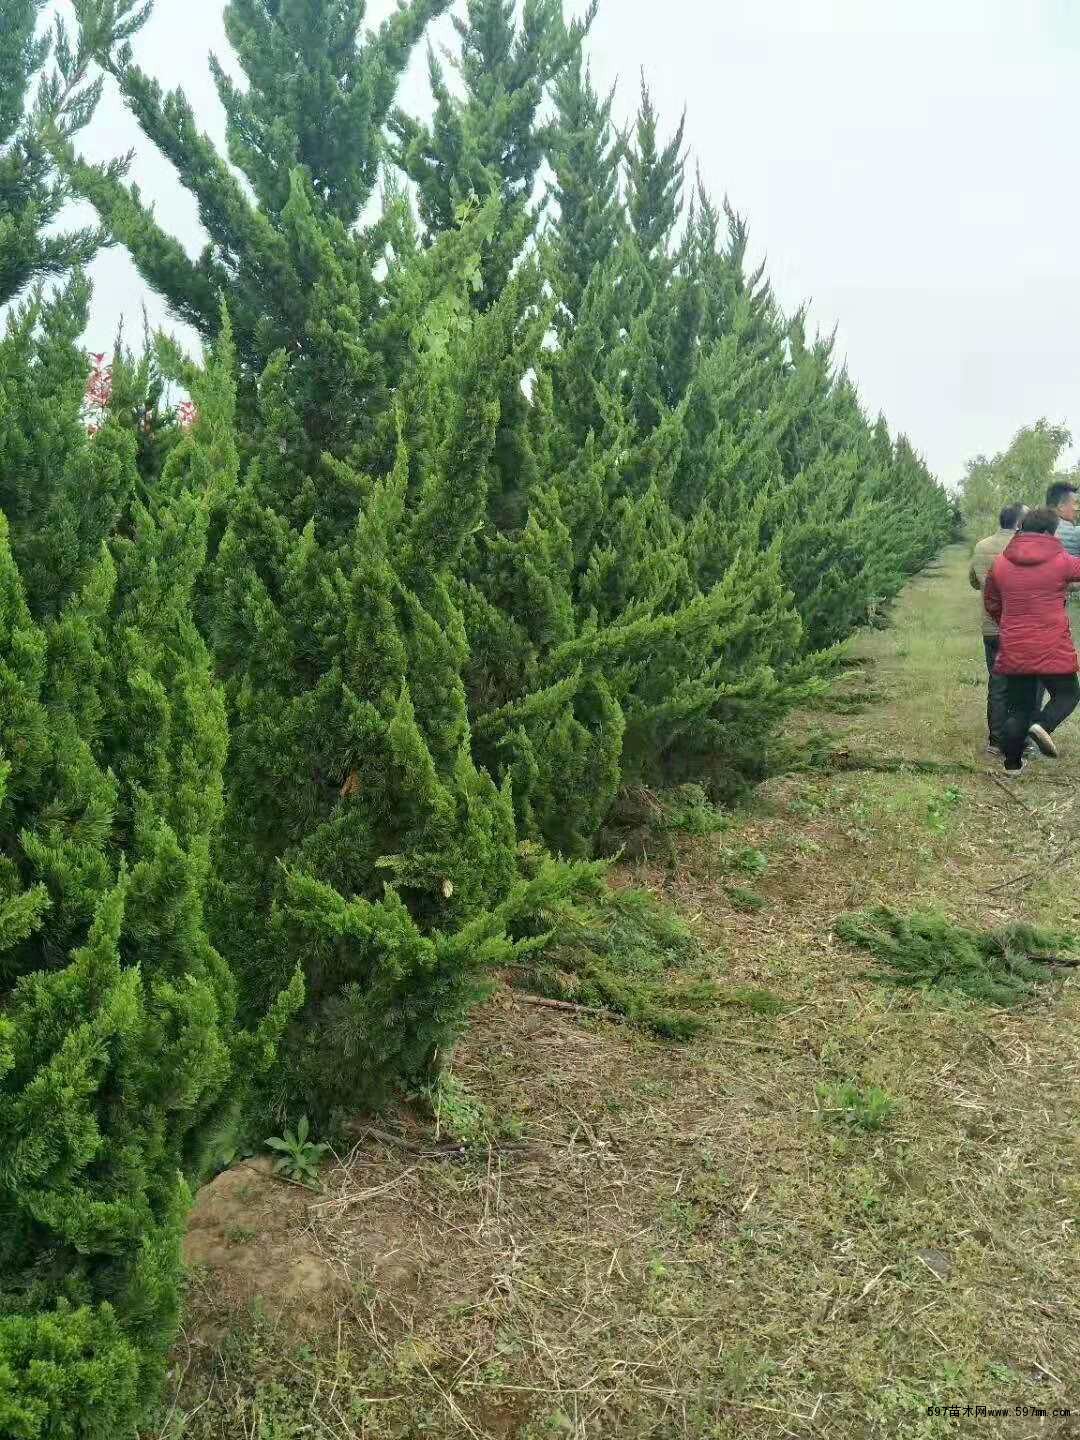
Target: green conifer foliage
<point>489,140</point>
<point>121,1062</point>
<point>585,154</point>
<point>361,837</point>
<point>654,183</point>
<point>617,636</point>
<point>521,518</point>
<point>927,951</point>
<point>31,195</point>
<point>305,131</point>
<point>62,496</point>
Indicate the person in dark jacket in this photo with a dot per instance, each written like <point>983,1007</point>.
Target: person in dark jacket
<point>983,556</point>
<point>1061,497</point>
<point>1025,593</point>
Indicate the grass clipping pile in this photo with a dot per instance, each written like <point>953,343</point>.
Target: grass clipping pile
<point>623,952</point>
<point>928,952</point>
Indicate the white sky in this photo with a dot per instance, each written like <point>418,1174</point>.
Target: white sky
<point>909,166</point>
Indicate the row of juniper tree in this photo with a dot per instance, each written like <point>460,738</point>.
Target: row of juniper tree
<point>511,489</point>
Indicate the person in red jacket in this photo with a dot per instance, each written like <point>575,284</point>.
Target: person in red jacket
<point>1025,593</point>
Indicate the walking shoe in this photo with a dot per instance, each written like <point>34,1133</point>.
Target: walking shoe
<point>1044,740</point>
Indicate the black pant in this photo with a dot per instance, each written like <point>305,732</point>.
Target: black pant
<point>996,707</point>
<point>1022,697</point>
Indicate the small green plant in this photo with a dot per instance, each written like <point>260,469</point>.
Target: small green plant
<point>858,1109</point>
<point>940,807</point>
<point>458,1115</point>
<point>298,1157</point>
<point>749,860</point>
<point>745,900</point>
<point>231,1155</point>
<point>688,809</point>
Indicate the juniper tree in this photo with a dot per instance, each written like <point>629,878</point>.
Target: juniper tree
<point>490,140</point>
<point>121,1064</point>
<point>361,836</point>
<point>487,144</point>
<point>585,155</point>
<point>305,131</point>
<point>31,195</point>
<point>597,656</point>
<point>535,573</point>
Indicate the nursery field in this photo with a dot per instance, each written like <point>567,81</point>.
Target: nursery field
<point>384,656</point>
<point>833,1216</point>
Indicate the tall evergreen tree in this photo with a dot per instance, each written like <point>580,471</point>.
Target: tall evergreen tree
<point>596,654</point>
<point>292,254</point>
<point>489,140</point>
<point>121,1063</point>
<point>31,195</point>
<point>360,836</point>
<point>529,523</point>
<point>585,154</point>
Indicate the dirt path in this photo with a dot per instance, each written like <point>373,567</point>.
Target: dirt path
<point>705,1240</point>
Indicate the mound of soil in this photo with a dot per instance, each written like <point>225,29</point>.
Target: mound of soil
<point>249,1235</point>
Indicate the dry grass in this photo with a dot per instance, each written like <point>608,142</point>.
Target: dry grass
<point>663,1241</point>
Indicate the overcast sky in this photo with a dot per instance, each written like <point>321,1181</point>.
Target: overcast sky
<point>909,166</point>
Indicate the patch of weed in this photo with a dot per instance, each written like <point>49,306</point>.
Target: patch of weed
<point>845,702</point>
<point>846,1103</point>
<point>806,805</point>
<point>745,900</point>
<point>751,997</point>
<point>941,807</point>
<point>461,1116</point>
<point>688,809</point>
<point>749,859</point>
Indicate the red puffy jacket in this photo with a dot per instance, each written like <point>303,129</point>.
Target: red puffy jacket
<point>1025,593</point>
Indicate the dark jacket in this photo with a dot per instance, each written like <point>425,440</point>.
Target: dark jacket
<point>1025,593</point>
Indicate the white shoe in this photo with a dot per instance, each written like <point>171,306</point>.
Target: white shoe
<point>1044,740</point>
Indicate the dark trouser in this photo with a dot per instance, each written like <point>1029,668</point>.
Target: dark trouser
<point>996,708</point>
<point>1022,697</point>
